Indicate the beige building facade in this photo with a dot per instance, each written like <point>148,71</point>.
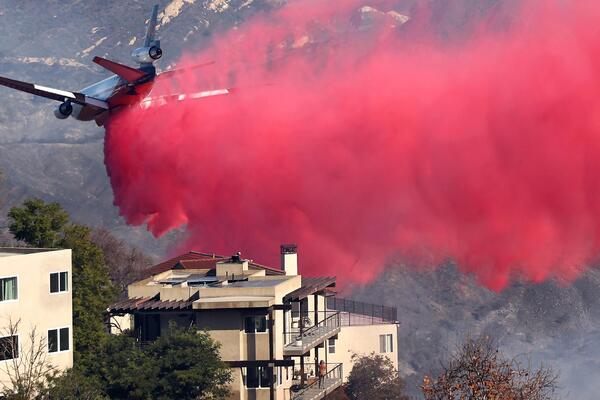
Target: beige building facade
<point>274,325</point>
<point>35,304</point>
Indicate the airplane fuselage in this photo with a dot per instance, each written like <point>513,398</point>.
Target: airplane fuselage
<point>116,92</point>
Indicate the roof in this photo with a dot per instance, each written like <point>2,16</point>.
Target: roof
<point>13,251</point>
<point>197,260</point>
<point>310,286</point>
<point>149,304</point>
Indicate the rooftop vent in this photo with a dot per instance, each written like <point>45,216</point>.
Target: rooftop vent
<point>237,257</point>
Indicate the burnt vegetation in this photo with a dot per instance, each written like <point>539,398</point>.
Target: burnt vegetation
<point>478,370</point>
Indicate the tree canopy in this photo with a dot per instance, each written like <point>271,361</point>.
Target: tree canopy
<point>374,377</point>
<point>42,224</point>
<point>183,365</point>
<point>37,223</point>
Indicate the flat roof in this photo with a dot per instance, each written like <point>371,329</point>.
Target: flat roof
<point>13,251</point>
<point>254,283</point>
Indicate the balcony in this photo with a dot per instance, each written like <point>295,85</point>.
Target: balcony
<point>300,342</point>
<point>314,391</point>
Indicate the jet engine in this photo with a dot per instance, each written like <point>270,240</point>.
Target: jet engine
<point>64,110</point>
<point>147,54</point>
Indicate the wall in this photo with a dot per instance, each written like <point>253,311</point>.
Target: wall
<point>363,340</point>
<point>36,308</point>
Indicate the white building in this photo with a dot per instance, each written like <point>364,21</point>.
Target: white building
<point>35,297</point>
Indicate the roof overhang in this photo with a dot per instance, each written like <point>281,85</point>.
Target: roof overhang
<point>232,302</point>
<point>309,287</point>
<point>148,304</point>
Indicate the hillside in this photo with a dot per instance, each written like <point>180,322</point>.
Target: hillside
<point>552,323</point>
<point>52,43</point>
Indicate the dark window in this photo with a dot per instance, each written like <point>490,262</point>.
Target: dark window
<point>52,341</point>
<point>53,283</point>
<point>64,282</point>
<point>59,282</point>
<point>58,340</point>
<point>64,339</point>
<point>252,377</point>
<point>259,377</point>
<point>295,309</point>
<point>255,323</point>
<point>8,289</point>
<point>9,347</point>
<point>266,376</point>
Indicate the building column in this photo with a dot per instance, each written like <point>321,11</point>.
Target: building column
<point>271,326</point>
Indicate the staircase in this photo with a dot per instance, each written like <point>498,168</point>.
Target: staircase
<point>331,381</point>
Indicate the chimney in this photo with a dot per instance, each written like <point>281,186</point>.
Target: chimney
<point>289,259</point>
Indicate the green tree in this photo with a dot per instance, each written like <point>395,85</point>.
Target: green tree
<point>187,365</point>
<point>41,224</point>
<point>37,223</point>
<point>374,377</point>
<point>73,385</point>
<point>181,364</point>
<point>92,293</point>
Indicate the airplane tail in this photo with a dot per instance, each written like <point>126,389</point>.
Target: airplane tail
<point>151,51</point>
<point>128,74</point>
<point>150,32</point>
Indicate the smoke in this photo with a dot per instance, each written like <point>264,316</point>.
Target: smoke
<point>360,143</point>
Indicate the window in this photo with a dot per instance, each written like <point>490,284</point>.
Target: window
<point>59,282</point>
<point>259,377</point>
<point>255,323</point>
<point>386,344</point>
<point>9,348</point>
<point>8,289</point>
<point>295,309</point>
<point>331,346</point>
<point>58,340</point>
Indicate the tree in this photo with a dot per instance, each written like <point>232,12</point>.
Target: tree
<point>37,223</point>
<point>478,371</point>
<point>374,377</point>
<point>181,364</point>
<point>73,385</point>
<point>125,264</point>
<point>92,293</point>
<point>28,367</point>
<point>43,224</point>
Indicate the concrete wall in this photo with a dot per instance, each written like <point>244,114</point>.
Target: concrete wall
<point>362,340</point>
<point>37,308</point>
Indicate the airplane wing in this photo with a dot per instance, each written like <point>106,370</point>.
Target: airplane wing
<point>177,71</point>
<point>53,94</point>
<point>162,100</point>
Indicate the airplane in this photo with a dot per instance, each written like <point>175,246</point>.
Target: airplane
<point>129,86</point>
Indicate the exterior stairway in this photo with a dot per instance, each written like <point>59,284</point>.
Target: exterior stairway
<point>313,336</point>
<point>332,381</point>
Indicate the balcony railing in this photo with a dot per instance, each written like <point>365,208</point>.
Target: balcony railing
<point>317,390</point>
<point>302,339</point>
<point>358,313</point>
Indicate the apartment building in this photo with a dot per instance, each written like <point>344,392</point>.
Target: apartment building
<point>35,297</point>
<point>274,325</point>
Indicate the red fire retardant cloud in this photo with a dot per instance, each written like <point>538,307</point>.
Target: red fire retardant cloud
<point>363,145</point>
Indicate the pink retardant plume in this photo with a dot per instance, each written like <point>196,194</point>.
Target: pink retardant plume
<point>359,145</point>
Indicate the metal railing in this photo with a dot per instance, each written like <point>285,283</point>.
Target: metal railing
<point>306,328</point>
<point>333,376</point>
<point>362,312</point>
